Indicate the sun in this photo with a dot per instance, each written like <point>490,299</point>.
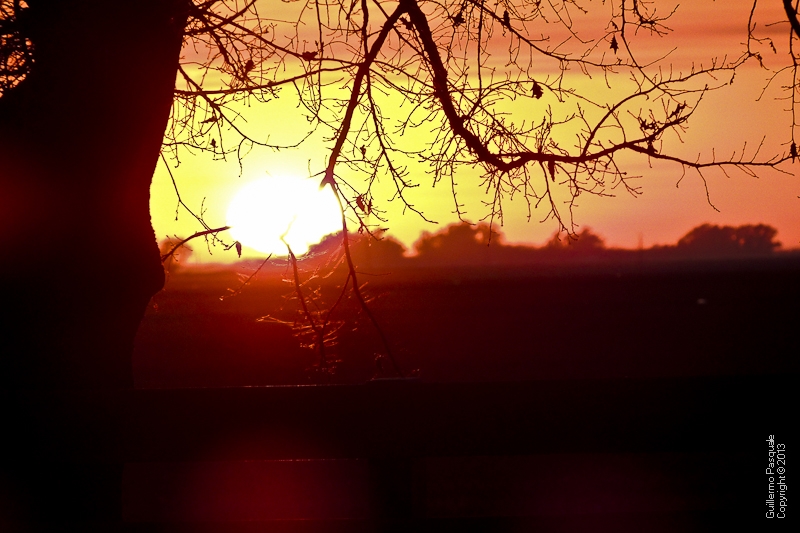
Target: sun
<point>295,209</point>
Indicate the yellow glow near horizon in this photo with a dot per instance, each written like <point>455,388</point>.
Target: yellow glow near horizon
<point>293,209</point>
<point>671,204</point>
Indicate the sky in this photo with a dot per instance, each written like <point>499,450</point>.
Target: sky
<point>669,206</point>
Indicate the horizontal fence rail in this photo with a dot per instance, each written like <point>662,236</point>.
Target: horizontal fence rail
<point>410,432</point>
<point>397,419</point>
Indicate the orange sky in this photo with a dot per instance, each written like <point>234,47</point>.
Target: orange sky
<point>667,209</point>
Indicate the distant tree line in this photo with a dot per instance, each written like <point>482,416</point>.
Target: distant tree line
<point>727,240</point>
<point>466,244</point>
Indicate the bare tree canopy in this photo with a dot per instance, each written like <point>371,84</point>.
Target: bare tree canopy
<point>547,100</point>
<point>538,101</point>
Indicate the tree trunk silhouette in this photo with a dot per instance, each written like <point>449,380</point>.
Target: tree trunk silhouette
<point>79,140</point>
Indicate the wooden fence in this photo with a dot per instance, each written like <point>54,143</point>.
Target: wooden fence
<point>660,454</point>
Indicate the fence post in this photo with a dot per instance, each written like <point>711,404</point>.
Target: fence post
<point>391,491</point>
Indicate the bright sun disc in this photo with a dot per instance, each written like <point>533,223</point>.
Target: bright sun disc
<point>297,209</point>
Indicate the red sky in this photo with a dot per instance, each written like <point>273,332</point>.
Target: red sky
<point>668,206</point>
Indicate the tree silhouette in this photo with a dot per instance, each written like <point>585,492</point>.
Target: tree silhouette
<point>458,244</point>
<point>711,240</point>
<point>89,106</point>
<point>383,252</point>
<point>584,241</point>
<point>458,67</point>
<point>369,251</point>
<point>86,93</point>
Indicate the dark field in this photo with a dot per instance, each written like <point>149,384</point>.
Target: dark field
<point>611,398</point>
<point>667,320</point>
